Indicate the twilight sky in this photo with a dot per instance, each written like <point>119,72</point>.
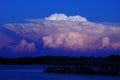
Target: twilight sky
<point>94,10</point>
<point>59,27</point>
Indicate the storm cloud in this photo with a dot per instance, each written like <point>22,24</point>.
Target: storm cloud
<point>70,32</point>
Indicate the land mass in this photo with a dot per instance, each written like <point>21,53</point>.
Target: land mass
<point>62,60</point>
<point>109,65</point>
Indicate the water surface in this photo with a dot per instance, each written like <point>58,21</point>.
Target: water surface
<point>34,72</point>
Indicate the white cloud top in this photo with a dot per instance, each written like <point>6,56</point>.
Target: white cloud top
<point>59,17</point>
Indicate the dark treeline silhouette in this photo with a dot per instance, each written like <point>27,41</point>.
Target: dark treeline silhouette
<point>65,60</point>
<point>109,65</point>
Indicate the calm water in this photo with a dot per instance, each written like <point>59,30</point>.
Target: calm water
<point>34,72</point>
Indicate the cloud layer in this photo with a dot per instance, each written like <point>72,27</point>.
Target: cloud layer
<point>71,32</point>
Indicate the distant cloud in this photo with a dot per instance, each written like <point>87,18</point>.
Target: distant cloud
<point>72,32</point>
<point>23,47</point>
<point>116,45</point>
<point>105,42</point>
<point>5,40</point>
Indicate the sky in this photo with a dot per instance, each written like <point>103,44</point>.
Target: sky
<point>93,10</point>
<point>30,27</point>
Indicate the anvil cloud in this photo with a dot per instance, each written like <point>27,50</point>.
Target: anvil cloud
<point>68,32</point>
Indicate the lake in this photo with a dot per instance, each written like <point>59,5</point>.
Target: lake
<point>34,72</point>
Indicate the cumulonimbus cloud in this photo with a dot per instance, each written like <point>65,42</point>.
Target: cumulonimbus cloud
<point>72,32</point>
